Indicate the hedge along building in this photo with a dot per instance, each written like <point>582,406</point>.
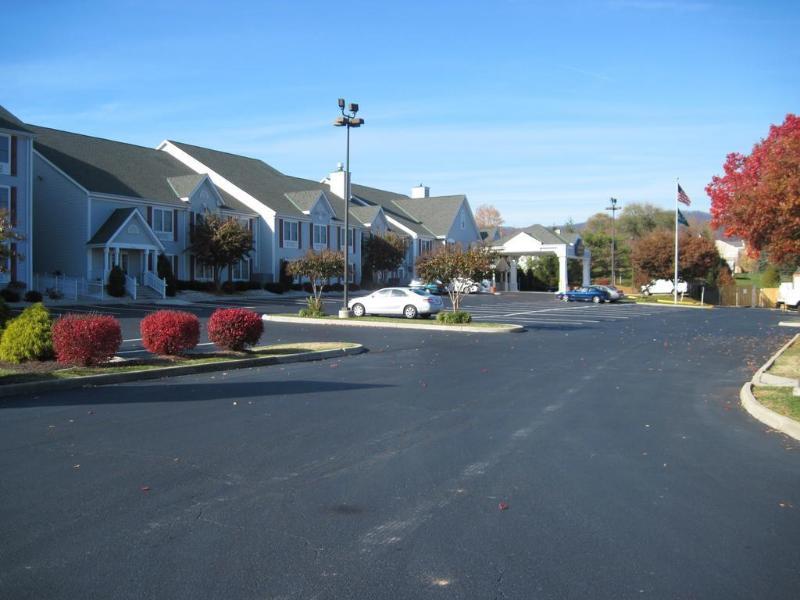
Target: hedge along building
<point>16,195</point>
<point>540,241</point>
<point>100,203</point>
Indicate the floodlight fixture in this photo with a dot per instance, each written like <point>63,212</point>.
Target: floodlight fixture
<point>341,103</point>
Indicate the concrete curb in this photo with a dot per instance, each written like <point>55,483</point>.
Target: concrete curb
<point>399,325</point>
<point>757,410</point>
<point>789,323</point>
<point>761,376</point>
<point>769,417</point>
<point>671,305</point>
<point>35,387</point>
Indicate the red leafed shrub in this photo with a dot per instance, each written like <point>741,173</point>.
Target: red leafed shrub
<point>235,328</point>
<point>170,332</point>
<point>86,339</point>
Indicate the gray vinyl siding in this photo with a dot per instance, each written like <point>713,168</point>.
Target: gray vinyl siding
<point>468,235</point>
<point>22,182</point>
<point>60,222</point>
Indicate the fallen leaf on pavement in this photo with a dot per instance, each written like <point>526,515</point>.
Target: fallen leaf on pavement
<point>503,506</point>
<point>145,488</point>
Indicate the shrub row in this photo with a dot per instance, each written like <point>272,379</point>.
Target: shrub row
<point>88,339</point>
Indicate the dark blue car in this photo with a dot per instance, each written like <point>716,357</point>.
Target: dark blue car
<point>585,294</point>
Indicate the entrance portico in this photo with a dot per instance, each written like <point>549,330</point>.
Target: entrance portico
<point>539,241</point>
<point>125,240</point>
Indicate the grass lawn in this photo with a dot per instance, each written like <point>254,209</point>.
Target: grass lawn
<point>788,363</point>
<point>399,320</point>
<point>49,370</point>
<point>667,299</point>
<point>780,400</point>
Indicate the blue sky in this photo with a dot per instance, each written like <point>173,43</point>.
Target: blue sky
<point>544,109</point>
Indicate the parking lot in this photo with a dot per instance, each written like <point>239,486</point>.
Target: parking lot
<point>533,310</point>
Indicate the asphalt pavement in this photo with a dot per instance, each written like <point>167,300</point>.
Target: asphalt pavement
<point>605,459</point>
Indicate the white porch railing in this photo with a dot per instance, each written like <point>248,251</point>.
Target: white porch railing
<point>94,288</point>
<point>152,281</point>
<point>67,287</point>
<point>130,286</point>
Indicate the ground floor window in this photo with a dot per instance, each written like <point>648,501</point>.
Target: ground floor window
<point>203,271</point>
<point>241,270</point>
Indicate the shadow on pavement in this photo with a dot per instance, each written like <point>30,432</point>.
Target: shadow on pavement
<point>200,392</point>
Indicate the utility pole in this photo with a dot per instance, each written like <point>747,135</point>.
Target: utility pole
<point>613,208</point>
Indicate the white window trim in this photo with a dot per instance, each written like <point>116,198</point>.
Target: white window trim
<point>163,233</point>
<point>5,276</point>
<point>5,167</point>
<point>287,241</point>
<point>319,245</point>
<point>244,265</point>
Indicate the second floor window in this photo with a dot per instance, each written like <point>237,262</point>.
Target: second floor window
<point>320,236</point>
<point>290,234</point>
<point>5,154</point>
<point>162,221</point>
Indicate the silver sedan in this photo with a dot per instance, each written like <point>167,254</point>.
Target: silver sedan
<point>396,301</point>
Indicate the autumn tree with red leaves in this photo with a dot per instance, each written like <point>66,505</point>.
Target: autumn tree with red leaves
<point>758,197</point>
<point>653,256</point>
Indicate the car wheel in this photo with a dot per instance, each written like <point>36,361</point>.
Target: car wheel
<point>359,310</point>
<point>596,300</point>
<point>410,312</point>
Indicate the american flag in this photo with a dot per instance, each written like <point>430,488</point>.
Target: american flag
<point>682,197</point>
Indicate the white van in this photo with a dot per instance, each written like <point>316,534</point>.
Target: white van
<point>663,286</point>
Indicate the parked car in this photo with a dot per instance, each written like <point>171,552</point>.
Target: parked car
<point>614,294</point>
<point>663,286</point>
<point>584,294</point>
<point>436,287</point>
<point>408,302</point>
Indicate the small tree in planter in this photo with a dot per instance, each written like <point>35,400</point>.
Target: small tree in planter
<point>164,271</point>
<point>116,282</point>
<point>220,242</point>
<point>317,267</point>
<point>451,263</point>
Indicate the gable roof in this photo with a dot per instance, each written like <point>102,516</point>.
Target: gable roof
<point>184,185</point>
<point>111,226</point>
<point>109,167</point>
<point>9,121</point>
<point>387,200</point>
<point>257,178</point>
<point>304,200</point>
<point>366,215</point>
<point>436,213</point>
<point>541,233</point>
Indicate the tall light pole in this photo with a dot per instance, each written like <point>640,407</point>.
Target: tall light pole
<point>613,208</point>
<point>348,121</point>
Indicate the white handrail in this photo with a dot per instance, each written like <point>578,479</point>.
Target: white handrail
<point>152,281</point>
<point>130,286</point>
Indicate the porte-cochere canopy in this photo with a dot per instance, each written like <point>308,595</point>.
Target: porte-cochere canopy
<point>538,241</point>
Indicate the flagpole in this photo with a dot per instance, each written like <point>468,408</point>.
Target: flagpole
<point>675,286</point>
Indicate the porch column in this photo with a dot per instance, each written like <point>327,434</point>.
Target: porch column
<point>512,275</point>
<point>147,261</point>
<point>587,267</point>
<point>116,257</point>
<point>563,284</point>
<point>105,262</point>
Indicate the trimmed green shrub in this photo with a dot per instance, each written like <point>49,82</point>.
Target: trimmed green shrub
<point>314,308</point>
<point>116,282</point>
<point>5,313</point>
<point>9,295</point>
<point>28,336</point>
<point>453,318</point>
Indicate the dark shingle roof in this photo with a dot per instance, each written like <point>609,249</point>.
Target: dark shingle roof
<point>184,185</point>
<point>10,121</point>
<point>304,201</point>
<point>257,178</point>
<point>436,213</point>
<point>111,226</point>
<point>109,167</point>
<point>391,209</point>
<point>365,214</point>
<point>541,233</point>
